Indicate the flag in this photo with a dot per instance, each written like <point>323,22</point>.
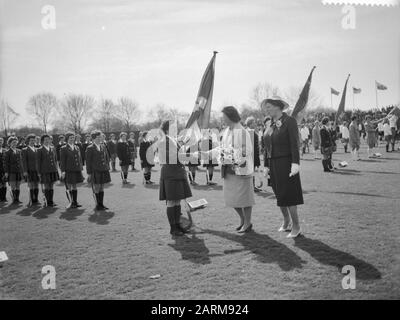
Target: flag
<point>342,100</point>
<point>200,117</point>
<point>395,111</point>
<point>335,92</point>
<point>303,98</point>
<point>380,86</point>
<point>356,90</point>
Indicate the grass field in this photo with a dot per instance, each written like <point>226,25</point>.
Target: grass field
<point>350,217</point>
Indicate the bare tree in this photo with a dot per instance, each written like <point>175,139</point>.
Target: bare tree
<point>74,110</point>
<point>314,100</point>
<point>41,106</point>
<point>105,114</point>
<point>7,116</point>
<point>127,112</point>
<point>262,91</point>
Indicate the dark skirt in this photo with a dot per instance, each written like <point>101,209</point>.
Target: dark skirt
<point>73,177</point>
<point>287,189</point>
<point>174,184</point>
<point>32,177</point>
<point>50,177</point>
<point>14,177</point>
<point>101,177</point>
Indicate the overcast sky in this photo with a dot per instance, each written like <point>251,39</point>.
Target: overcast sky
<point>156,51</point>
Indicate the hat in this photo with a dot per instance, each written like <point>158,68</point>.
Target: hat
<point>277,101</point>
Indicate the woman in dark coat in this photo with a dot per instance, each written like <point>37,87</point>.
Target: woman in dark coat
<point>326,145</point>
<point>47,168</point>
<point>29,160</point>
<point>174,185</point>
<point>124,156</point>
<point>146,157</point>
<point>282,151</point>
<point>13,168</point>
<point>71,168</point>
<point>3,183</point>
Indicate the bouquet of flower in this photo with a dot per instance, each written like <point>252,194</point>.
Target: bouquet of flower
<point>231,156</point>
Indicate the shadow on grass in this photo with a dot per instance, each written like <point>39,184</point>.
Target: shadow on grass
<point>71,214</point>
<point>265,194</point>
<point>266,249</point>
<point>192,248</point>
<point>102,217</point>
<point>128,186</point>
<point>207,187</point>
<point>336,258</point>
<point>8,207</point>
<point>359,194</point>
<point>27,211</point>
<point>44,213</point>
<point>346,172</point>
<point>152,186</point>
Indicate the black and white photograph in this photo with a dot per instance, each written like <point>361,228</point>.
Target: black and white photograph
<point>218,151</point>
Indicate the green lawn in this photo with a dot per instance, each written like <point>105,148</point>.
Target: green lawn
<point>349,218</point>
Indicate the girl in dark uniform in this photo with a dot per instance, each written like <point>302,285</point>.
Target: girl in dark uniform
<point>282,150</point>
<point>13,168</point>
<point>124,156</point>
<point>29,161</point>
<point>3,182</point>
<point>146,157</point>
<point>71,168</point>
<point>132,149</point>
<point>174,185</point>
<point>97,167</point>
<point>47,168</point>
<point>326,145</point>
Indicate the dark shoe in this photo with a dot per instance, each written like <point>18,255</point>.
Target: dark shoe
<point>175,231</point>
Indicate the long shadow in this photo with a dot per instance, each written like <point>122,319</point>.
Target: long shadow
<point>266,249</point>
<point>71,214</point>
<point>359,194</point>
<point>44,213</point>
<point>128,186</point>
<point>334,257</point>
<point>346,172</point>
<point>102,217</point>
<point>265,194</point>
<point>192,248</point>
<point>370,160</point>
<point>7,208</point>
<point>27,211</point>
<point>207,188</point>
<point>152,186</point>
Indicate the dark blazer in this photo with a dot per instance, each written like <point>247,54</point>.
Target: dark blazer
<point>46,160</point>
<point>29,159</point>
<point>256,148</point>
<point>112,146</point>
<point>172,168</point>
<point>82,150</point>
<point>326,137</point>
<point>58,150</point>
<point>284,141</point>
<point>13,161</point>
<point>2,156</point>
<point>97,160</point>
<point>144,146</point>
<point>70,159</point>
<point>123,153</point>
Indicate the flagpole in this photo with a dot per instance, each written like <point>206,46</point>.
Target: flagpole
<point>376,93</point>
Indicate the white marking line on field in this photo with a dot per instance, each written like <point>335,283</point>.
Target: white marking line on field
<point>3,256</point>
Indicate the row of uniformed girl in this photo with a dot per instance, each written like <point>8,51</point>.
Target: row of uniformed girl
<point>34,165</point>
<point>39,166</point>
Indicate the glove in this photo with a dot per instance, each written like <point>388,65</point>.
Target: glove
<point>295,169</point>
<point>266,172</point>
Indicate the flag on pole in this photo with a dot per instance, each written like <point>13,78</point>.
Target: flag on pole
<point>395,111</point>
<point>303,98</point>
<point>202,109</point>
<point>380,86</point>
<point>356,90</point>
<point>335,92</point>
<point>342,100</point>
